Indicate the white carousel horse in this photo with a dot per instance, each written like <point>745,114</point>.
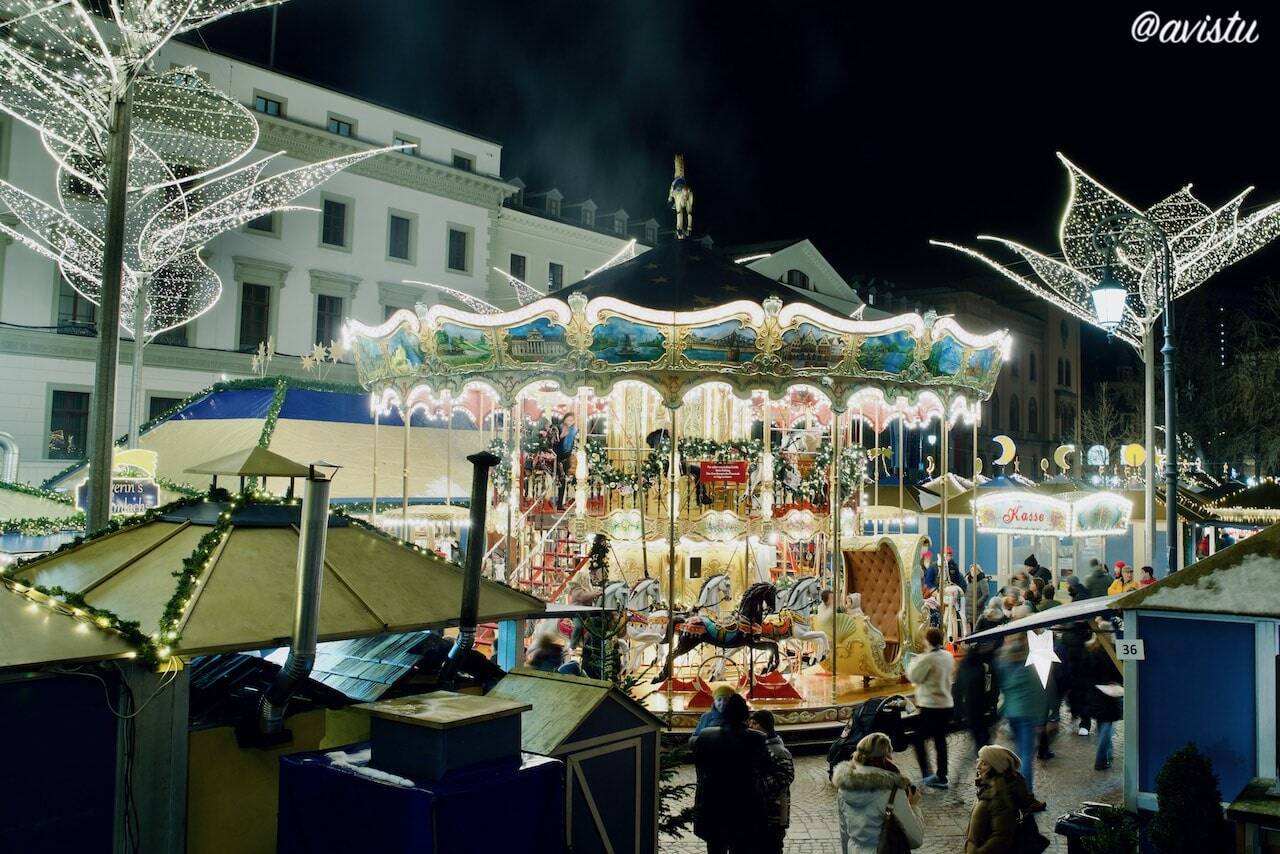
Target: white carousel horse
<point>716,590</point>
<point>681,199</point>
<point>799,600</point>
<point>642,632</point>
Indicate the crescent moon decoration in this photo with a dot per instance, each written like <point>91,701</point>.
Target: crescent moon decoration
<point>929,466</point>
<point>1007,450</point>
<point>1044,465</point>
<point>977,468</point>
<point>1060,457</point>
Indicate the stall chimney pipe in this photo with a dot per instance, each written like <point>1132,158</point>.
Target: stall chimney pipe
<point>468,615</point>
<point>306,615</point>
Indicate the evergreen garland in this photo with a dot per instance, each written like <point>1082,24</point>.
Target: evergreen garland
<point>37,492</point>
<point>501,473</point>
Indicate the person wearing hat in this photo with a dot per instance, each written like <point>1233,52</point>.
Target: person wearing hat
<point>777,786</point>
<point>713,716</point>
<point>1034,568</point>
<point>1001,799</point>
<point>1125,582</point>
<point>868,785</point>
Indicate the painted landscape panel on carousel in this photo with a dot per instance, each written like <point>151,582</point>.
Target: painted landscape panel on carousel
<point>619,340</point>
<point>890,353</point>
<point>539,340</point>
<point>462,346</point>
<point>809,346</point>
<point>726,341</point>
<point>397,355</point>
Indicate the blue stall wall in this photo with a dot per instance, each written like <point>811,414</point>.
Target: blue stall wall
<point>934,527</point>
<point>59,767</point>
<point>1197,683</point>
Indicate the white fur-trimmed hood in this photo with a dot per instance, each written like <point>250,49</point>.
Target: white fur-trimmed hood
<point>860,778</point>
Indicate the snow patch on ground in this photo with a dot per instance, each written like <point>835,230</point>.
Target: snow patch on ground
<point>1252,587</point>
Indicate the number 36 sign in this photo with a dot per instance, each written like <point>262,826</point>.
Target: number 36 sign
<point>1130,650</point>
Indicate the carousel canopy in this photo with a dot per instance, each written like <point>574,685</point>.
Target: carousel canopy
<point>302,420</point>
<point>1239,580</point>
<point>676,317</point>
<point>244,598</point>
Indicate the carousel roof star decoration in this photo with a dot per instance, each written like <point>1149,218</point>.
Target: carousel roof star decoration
<point>1202,240</point>
<point>64,69</point>
<point>1041,657</point>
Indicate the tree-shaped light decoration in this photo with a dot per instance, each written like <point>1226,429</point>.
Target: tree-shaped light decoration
<point>1202,240</point>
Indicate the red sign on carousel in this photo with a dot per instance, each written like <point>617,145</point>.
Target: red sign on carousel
<point>731,472</point>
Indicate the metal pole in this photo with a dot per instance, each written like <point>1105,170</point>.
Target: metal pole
<point>513,490</point>
<point>404,474</point>
<point>944,566</point>
<point>470,607</point>
<point>373,512</point>
<point>1170,413</point>
<point>673,495</point>
<point>875,469</point>
<point>139,341</point>
<point>837,554</point>
<point>103,402</point>
<point>448,453</point>
<point>1149,467</point>
<point>902,475</point>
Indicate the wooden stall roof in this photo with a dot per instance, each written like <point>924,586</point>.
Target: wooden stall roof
<point>1239,580</point>
<point>252,462</point>
<point>561,704</point>
<point>33,636</point>
<point>373,584</point>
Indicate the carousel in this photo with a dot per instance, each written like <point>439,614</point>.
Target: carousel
<point>719,429</point>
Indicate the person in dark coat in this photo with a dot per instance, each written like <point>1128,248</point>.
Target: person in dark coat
<point>975,601</point>
<point>777,786</point>
<point>732,764</point>
<point>1076,589</point>
<point>1106,697</point>
<point>1074,637</point>
<point>1098,579</point>
<point>1034,568</point>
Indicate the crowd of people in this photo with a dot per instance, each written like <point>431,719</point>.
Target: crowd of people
<point>968,683</point>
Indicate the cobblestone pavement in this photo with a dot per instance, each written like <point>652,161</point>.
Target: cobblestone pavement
<point>1063,782</point>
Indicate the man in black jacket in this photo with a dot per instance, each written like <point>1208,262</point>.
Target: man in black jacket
<point>732,762</point>
<point>1098,579</point>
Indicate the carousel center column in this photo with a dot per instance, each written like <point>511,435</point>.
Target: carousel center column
<point>837,554</point>
<point>673,498</point>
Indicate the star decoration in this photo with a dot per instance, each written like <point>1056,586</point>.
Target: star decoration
<point>1041,656</point>
<point>659,280</point>
<point>703,301</point>
<point>319,353</point>
<point>728,288</point>
<point>336,351</point>
<point>652,265</point>
<point>695,257</point>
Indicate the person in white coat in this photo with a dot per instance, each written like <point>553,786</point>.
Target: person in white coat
<point>866,785</point>
<point>931,673</point>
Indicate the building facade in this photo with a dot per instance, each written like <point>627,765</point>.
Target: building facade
<point>438,213</point>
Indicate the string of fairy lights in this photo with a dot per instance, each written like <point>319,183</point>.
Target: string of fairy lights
<point>1202,241</point>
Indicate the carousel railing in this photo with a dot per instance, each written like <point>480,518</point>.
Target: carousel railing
<point>519,525</point>
<point>523,575</point>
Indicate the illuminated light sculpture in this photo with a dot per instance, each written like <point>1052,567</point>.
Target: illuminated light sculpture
<point>1156,256</point>
<point>525,292</point>
<point>1041,655</point>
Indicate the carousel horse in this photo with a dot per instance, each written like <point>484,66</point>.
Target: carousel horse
<point>643,631</point>
<point>746,627</point>
<point>613,598</point>
<point>798,602</point>
<point>680,198</point>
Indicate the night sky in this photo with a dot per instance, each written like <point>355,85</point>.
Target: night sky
<point>868,130</point>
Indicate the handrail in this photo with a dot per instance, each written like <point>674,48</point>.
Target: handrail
<point>523,516</point>
<point>537,548</point>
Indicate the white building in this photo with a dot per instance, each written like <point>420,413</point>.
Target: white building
<point>439,213</point>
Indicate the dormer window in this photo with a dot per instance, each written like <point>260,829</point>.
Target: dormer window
<point>553,206</point>
<point>798,279</point>
<point>651,233</point>
<point>588,217</point>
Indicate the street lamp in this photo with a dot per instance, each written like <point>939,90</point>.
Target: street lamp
<point>1109,297</point>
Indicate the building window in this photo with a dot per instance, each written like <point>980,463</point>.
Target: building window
<point>465,162</point>
<point>340,126</point>
<point>160,405</point>
<point>1068,374</point>
<point>620,225</point>
<point>995,411</point>
<point>176,337</point>
<point>388,310</point>
<point>68,425</point>
<point>268,106</point>
<point>518,266</point>
<point>458,261</point>
<point>255,316</point>
<point>328,319</point>
<point>399,237</point>
<point>333,228</point>
<point>1015,416</point>
<point>1014,370</point>
<point>588,217</point>
<point>1033,417</point>
<point>265,224</point>
<point>553,206</point>
<point>1031,368</point>
<point>798,279</point>
<point>402,139</point>
<point>76,315</point>
<point>651,233</point>
<point>1061,373</point>
<point>555,276</point>
<point>1065,331</point>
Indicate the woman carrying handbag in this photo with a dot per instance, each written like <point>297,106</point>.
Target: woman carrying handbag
<point>1003,820</point>
<point>876,803</point>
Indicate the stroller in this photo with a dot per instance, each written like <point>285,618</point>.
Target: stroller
<point>880,714</point>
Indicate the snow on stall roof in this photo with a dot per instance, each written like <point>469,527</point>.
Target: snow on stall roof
<point>1248,589</point>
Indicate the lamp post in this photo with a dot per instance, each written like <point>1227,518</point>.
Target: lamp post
<point>1109,297</point>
